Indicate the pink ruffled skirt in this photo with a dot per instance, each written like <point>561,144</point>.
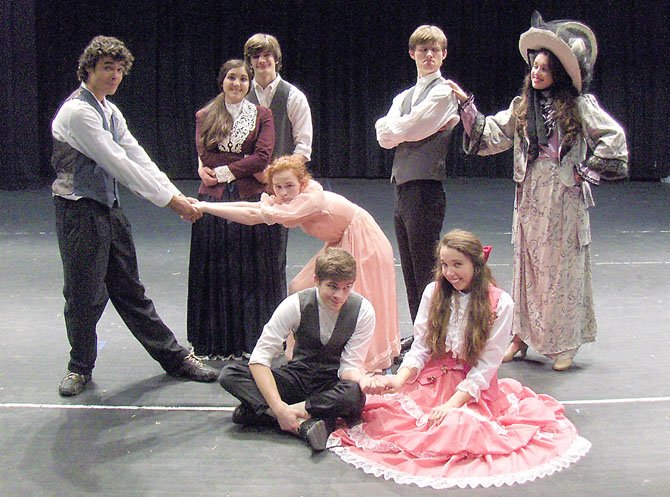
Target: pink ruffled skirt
<point>511,435</point>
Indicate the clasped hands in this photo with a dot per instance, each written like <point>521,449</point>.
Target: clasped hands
<point>184,207</point>
<point>383,384</point>
<point>379,384</point>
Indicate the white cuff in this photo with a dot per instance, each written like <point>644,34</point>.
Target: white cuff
<point>223,174</point>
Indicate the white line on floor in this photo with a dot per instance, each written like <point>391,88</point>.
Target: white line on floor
<point>93,407</point>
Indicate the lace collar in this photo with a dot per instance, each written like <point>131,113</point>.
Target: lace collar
<point>244,124</point>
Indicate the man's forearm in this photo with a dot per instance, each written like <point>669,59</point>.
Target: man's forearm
<point>353,374</point>
<point>266,384</point>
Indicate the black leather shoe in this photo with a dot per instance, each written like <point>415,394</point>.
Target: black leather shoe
<point>73,384</point>
<point>406,343</point>
<point>194,369</point>
<point>245,415</point>
<point>316,432</point>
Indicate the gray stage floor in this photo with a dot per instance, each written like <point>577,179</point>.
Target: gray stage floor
<point>137,432</point>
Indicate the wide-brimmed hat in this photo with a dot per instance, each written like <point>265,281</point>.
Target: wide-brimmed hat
<point>572,42</point>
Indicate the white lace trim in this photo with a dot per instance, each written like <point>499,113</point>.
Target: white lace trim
<point>242,128</point>
<point>580,446</point>
<point>457,322</point>
<point>499,429</point>
<point>408,405</point>
<point>513,408</point>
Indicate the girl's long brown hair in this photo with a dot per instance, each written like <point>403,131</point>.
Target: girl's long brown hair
<point>480,317</point>
<point>563,93</point>
<point>217,121</point>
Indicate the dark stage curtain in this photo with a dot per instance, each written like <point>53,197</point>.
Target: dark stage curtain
<point>349,57</point>
<point>20,155</point>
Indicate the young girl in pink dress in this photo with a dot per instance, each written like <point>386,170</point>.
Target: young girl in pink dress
<point>298,200</point>
<point>445,420</point>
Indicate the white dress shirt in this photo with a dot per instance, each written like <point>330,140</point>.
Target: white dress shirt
<point>480,375</point>
<point>80,126</point>
<point>298,111</point>
<point>286,320</point>
<point>437,111</point>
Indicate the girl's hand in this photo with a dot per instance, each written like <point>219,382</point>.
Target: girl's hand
<point>437,414</point>
<point>392,384</point>
<point>373,385</point>
<point>460,95</point>
<point>207,175</point>
<point>200,206</point>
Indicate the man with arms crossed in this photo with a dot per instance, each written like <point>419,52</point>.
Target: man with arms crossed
<point>418,125</point>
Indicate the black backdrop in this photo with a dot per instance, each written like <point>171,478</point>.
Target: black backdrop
<point>349,57</point>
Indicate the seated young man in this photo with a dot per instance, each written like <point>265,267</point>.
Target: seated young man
<point>333,328</point>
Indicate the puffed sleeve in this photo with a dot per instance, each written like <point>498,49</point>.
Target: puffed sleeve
<point>419,353</point>
<point>606,140</point>
<point>492,134</point>
<point>199,145</point>
<point>310,201</point>
<point>479,377</point>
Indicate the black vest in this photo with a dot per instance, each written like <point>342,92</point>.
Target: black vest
<point>78,174</point>
<point>308,347</point>
<point>284,144</point>
<point>424,159</point>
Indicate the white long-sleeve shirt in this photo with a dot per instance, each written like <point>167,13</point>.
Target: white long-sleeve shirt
<point>297,110</point>
<point>437,111</point>
<point>80,126</point>
<point>480,375</point>
<point>286,320</point>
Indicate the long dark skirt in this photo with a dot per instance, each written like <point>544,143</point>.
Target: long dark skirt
<point>234,282</point>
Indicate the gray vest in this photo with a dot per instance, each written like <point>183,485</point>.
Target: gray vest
<point>424,159</point>
<point>284,144</point>
<point>308,347</point>
<point>78,174</point>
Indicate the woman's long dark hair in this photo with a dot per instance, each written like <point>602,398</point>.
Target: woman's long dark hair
<point>564,95</point>
<point>217,121</point>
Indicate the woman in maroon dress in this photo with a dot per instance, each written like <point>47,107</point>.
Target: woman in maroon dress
<point>233,282</point>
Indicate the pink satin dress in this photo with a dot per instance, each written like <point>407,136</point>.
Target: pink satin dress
<point>340,223</point>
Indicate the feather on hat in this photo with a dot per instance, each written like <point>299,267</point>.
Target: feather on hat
<point>572,42</point>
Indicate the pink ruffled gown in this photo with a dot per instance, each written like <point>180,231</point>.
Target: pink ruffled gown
<point>340,223</point>
<point>507,434</point>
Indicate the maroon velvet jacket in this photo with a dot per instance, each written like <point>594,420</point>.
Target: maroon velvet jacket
<point>257,147</point>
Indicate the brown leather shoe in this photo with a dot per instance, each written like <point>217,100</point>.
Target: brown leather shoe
<point>73,384</point>
<point>194,369</point>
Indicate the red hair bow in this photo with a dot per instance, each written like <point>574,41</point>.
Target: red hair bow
<point>487,251</point>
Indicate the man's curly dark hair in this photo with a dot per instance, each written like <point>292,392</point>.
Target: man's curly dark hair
<point>103,46</point>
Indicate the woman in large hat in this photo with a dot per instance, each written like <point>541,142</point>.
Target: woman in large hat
<point>563,142</point>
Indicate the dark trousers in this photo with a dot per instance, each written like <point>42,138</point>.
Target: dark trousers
<point>325,395</point>
<point>100,264</point>
<point>419,208</point>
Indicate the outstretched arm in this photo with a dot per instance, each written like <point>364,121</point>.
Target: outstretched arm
<point>248,213</point>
